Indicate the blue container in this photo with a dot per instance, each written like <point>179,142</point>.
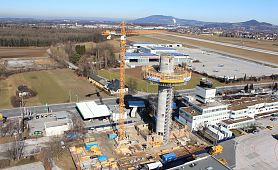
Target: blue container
<point>89,145</point>
<point>169,157</point>
<point>102,158</point>
<point>112,136</point>
<point>174,105</point>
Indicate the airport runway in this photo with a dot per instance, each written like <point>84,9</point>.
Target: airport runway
<point>226,44</point>
<point>217,51</point>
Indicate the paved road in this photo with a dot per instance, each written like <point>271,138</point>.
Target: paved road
<point>258,151</point>
<point>226,44</point>
<point>108,101</point>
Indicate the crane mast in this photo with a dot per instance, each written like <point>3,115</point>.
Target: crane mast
<point>122,83</point>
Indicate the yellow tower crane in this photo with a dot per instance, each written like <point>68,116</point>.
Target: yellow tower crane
<point>122,83</point>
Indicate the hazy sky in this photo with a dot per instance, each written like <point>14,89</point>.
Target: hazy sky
<point>205,10</point>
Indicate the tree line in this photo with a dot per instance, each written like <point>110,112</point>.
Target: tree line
<point>89,60</point>
<point>24,36</point>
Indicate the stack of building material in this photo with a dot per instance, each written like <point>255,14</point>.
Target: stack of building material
<point>90,144</point>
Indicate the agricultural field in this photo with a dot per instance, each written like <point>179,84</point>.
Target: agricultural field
<point>155,38</point>
<point>52,86</point>
<point>16,52</point>
<point>144,86</point>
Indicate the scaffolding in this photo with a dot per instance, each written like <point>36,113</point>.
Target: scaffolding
<point>180,75</point>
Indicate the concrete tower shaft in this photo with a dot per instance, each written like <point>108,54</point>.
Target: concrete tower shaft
<point>164,112</point>
<point>166,76</point>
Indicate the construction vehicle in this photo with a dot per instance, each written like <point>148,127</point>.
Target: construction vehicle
<point>215,150</point>
<point>270,127</point>
<point>2,118</point>
<point>223,161</point>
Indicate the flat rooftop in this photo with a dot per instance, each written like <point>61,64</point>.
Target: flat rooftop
<point>139,54</point>
<point>206,105</point>
<point>232,121</point>
<point>163,48</point>
<point>244,102</point>
<point>190,110</point>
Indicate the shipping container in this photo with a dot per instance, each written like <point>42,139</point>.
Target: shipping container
<point>102,158</point>
<point>90,144</point>
<point>169,157</point>
<point>112,136</point>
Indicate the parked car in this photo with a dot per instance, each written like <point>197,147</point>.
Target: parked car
<point>255,131</point>
<point>270,127</point>
<point>273,119</point>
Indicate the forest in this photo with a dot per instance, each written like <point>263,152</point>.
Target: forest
<point>25,36</point>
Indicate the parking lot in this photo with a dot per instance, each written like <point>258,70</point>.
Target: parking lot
<point>259,150</point>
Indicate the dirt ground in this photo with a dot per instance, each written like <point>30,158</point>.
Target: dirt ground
<point>65,161</point>
<point>15,52</point>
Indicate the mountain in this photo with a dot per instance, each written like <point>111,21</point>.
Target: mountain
<point>170,20</point>
<point>167,20</point>
<point>248,25</point>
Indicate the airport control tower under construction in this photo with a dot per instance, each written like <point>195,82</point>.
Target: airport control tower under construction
<point>166,75</point>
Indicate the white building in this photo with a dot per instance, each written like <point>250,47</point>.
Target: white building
<point>238,123</point>
<point>56,128</point>
<point>91,110</point>
<point>138,45</point>
<point>236,112</point>
<point>115,112</point>
<point>157,50</point>
<point>260,105</point>
<point>203,109</point>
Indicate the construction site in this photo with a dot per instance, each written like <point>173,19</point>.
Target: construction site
<point>155,142</point>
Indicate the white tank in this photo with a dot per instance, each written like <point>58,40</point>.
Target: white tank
<point>167,64</point>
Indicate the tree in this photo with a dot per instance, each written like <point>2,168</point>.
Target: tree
<point>275,87</point>
<point>74,58</point>
<point>16,148</point>
<point>84,66</point>
<point>251,87</point>
<point>80,49</point>
<point>246,88</point>
<point>55,147</point>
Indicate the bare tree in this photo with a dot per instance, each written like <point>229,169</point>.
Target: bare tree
<point>55,147</point>
<point>16,149</point>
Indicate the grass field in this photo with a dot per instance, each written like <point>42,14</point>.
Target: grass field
<point>142,85</point>
<point>53,86</point>
<point>15,52</point>
<point>115,43</point>
<point>239,52</point>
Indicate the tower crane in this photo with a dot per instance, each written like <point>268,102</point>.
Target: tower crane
<point>121,131</point>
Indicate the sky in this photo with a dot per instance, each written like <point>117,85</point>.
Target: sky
<point>203,10</point>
